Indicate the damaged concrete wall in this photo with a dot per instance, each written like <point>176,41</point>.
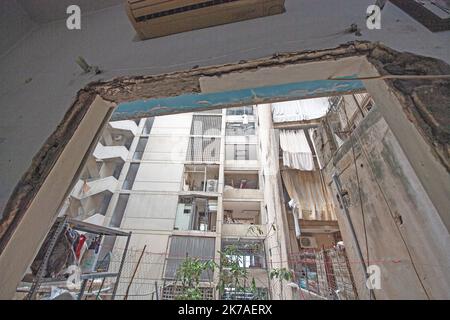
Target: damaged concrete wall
<point>147,87</point>
<point>40,79</point>
<point>397,226</point>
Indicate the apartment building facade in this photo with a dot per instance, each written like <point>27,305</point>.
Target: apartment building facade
<point>191,186</point>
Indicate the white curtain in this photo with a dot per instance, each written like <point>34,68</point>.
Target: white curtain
<point>300,110</point>
<point>310,193</point>
<point>296,151</point>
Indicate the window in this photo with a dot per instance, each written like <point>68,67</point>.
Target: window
<point>194,247</point>
<point>240,129</point>
<point>118,170</point>
<point>131,176</point>
<point>240,152</point>
<point>140,148</point>
<point>249,253</point>
<point>148,126</point>
<point>196,214</point>
<point>240,111</point>
<point>119,210</point>
<point>202,149</point>
<point>201,178</point>
<point>206,125</point>
<point>105,203</point>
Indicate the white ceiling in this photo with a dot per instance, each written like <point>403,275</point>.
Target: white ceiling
<point>43,11</point>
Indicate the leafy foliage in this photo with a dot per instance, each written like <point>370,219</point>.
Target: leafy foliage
<point>281,274</point>
<point>232,274</point>
<point>189,275</point>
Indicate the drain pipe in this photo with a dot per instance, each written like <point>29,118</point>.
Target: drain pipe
<point>294,207</point>
<point>344,205</point>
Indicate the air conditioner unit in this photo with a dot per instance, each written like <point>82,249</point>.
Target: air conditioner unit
<point>211,185</point>
<point>308,242</point>
<point>157,18</point>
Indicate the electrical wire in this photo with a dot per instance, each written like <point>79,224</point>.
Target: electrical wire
<point>372,295</point>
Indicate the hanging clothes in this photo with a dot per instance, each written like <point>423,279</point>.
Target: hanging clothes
<point>309,193</point>
<point>299,110</point>
<point>296,151</point>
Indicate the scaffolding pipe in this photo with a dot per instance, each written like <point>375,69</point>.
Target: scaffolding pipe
<point>119,273</point>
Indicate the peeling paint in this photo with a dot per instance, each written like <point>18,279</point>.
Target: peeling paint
<point>196,102</point>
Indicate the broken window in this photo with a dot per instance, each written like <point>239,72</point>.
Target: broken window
<point>198,214</point>
<point>201,178</point>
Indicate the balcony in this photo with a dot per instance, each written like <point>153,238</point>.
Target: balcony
<point>244,230</point>
<point>104,153</point>
<point>125,125</point>
<point>242,185</point>
<point>196,214</point>
<point>242,219</point>
<point>85,189</point>
<point>201,179</point>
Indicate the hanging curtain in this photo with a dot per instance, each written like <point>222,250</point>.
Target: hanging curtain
<point>310,193</point>
<point>299,110</point>
<point>296,151</point>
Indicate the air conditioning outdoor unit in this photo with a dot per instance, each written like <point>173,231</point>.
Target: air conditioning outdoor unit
<point>308,242</point>
<point>211,185</point>
<point>157,18</point>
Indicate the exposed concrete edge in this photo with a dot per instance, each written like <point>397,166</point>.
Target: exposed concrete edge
<point>41,165</point>
<point>122,89</point>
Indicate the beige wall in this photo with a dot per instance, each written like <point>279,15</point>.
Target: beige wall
<point>404,235</point>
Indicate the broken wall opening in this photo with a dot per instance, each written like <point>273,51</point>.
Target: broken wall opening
<point>425,131</point>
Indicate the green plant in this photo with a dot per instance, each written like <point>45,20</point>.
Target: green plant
<point>189,276</point>
<point>232,272</point>
<point>281,274</point>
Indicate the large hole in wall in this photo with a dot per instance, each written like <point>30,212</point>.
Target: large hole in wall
<point>257,85</point>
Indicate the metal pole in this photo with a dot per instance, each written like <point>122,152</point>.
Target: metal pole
<point>119,273</point>
<point>156,290</point>
<point>343,202</point>
<point>134,273</point>
<point>100,289</point>
<point>83,287</point>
